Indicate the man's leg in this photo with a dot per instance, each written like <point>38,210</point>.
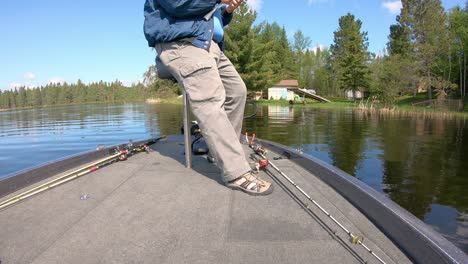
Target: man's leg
<point>197,71</point>
<point>236,92</point>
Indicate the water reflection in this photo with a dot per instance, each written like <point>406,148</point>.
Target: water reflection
<point>47,134</point>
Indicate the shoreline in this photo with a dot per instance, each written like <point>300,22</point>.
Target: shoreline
<point>407,110</point>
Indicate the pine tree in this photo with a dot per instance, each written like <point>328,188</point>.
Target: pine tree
<point>255,50</point>
<point>264,66</point>
<point>459,29</point>
<point>301,43</point>
<point>349,54</point>
<point>36,97</point>
<point>289,69</point>
<point>399,39</point>
<point>426,20</point>
<point>240,39</point>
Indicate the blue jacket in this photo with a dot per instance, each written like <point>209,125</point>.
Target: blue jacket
<point>170,20</point>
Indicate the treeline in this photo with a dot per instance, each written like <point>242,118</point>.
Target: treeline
<point>80,93</point>
<point>64,93</point>
<point>426,51</point>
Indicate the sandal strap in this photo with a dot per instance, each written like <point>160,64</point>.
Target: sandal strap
<point>250,184</point>
<point>245,184</point>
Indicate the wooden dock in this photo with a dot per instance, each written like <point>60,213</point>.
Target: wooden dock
<point>306,94</point>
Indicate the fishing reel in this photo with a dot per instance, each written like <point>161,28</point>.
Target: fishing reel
<point>195,130</point>
<point>128,149</point>
<point>259,151</point>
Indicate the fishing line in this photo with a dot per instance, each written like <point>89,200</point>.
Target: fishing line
<point>312,214</point>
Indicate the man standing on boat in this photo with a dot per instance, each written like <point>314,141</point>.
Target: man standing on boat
<point>189,39</point>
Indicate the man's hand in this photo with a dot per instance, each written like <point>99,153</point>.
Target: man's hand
<point>232,4</point>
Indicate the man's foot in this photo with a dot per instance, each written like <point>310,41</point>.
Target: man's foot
<point>251,184</point>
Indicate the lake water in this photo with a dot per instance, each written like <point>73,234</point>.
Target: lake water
<point>419,162</point>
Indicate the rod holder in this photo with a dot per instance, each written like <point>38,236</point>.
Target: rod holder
<point>187,136</point>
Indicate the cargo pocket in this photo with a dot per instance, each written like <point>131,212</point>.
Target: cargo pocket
<point>168,55</point>
<point>201,81</point>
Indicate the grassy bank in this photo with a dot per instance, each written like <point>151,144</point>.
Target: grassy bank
<point>171,100</point>
<point>339,103</point>
<point>73,104</point>
<point>404,106</point>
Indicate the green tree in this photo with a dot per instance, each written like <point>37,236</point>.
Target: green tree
<point>21,97</point>
<point>315,72</point>
<point>349,54</point>
<point>458,21</point>
<point>36,97</point>
<point>264,66</point>
<point>300,47</point>
<point>426,20</point>
<point>240,39</point>
<point>393,76</point>
<point>301,43</point>
<point>289,69</point>
<point>399,39</point>
<point>155,87</point>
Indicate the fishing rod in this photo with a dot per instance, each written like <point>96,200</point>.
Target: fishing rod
<point>260,151</point>
<point>119,155</point>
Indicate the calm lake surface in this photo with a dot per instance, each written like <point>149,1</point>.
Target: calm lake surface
<point>420,163</point>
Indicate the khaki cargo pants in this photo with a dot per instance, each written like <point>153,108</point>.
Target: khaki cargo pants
<point>217,95</point>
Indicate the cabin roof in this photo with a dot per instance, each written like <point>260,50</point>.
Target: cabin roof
<point>287,83</point>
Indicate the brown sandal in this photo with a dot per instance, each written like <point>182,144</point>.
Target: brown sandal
<point>251,184</point>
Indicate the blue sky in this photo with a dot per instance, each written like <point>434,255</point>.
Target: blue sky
<point>51,40</point>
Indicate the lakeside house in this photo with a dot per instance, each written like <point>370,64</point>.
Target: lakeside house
<point>349,94</point>
<point>281,90</point>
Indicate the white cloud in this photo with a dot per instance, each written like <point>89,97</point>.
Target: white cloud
<point>255,4</point>
<point>27,82</point>
<point>393,7</point>
<point>29,76</point>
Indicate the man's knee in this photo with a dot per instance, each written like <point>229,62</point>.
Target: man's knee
<point>240,91</point>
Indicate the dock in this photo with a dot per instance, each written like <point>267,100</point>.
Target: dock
<point>306,94</point>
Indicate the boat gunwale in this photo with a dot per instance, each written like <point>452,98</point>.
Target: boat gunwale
<point>13,182</point>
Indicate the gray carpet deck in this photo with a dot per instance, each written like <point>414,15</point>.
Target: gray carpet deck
<point>150,209</point>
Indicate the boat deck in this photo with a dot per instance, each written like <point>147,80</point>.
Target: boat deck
<point>151,209</point>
